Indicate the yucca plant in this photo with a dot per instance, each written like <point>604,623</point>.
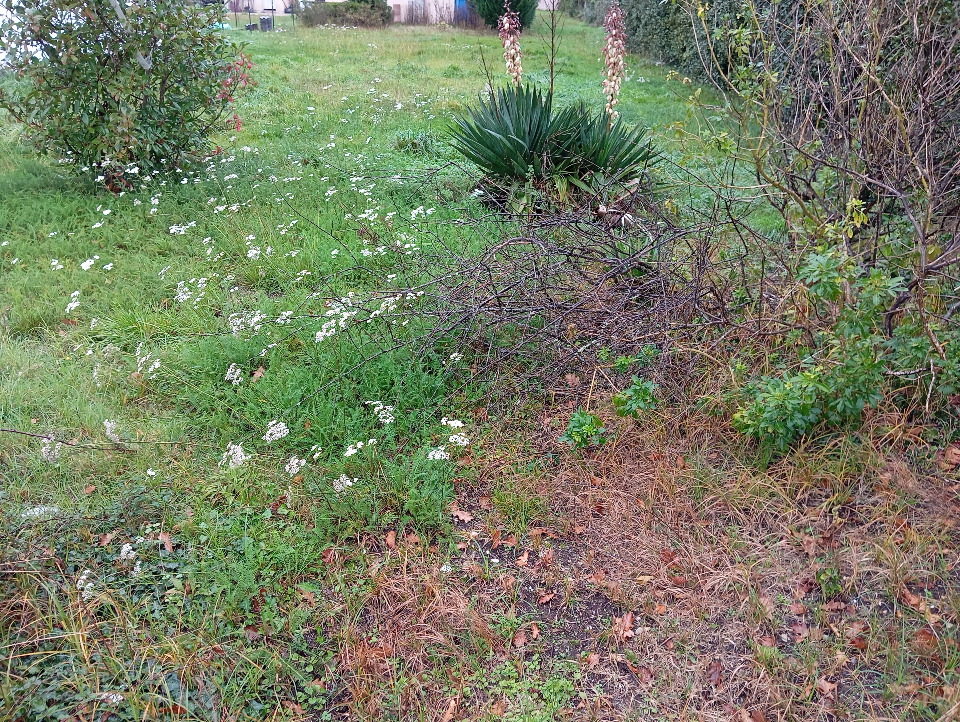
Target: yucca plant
<point>507,134</point>
<point>515,136</point>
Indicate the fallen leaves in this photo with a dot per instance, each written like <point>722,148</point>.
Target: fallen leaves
<point>715,673</point>
<point>167,542</point>
<point>827,688</point>
<point>391,540</point>
<point>523,559</point>
<point>520,638</point>
<point>460,514</point>
<point>622,628</point>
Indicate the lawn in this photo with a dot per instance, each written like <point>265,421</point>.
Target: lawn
<point>213,510</point>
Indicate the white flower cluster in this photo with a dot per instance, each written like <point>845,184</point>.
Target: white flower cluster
<point>50,451</point>
<point>352,449</point>
<point>233,457</point>
<point>339,313</point>
<point>452,423</point>
<point>234,375</point>
<point>151,370</point>
<point>251,320</point>
<point>36,512</point>
<point>459,440</point>
<point>74,302</point>
<point>275,430</point>
<point>340,485</point>
<point>85,586</point>
<point>439,454</point>
<point>127,553</point>
<point>384,413</point>
<point>294,465</point>
<point>110,429</point>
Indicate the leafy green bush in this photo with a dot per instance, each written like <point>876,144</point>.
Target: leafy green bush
<point>148,97</point>
<point>855,364</point>
<point>584,430</point>
<point>639,396</point>
<point>515,135</point>
<point>491,10</point>
<point>362,13</point>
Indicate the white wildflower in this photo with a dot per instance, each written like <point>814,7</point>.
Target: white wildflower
<point>233,457</point>
<point>294,465</point>
<point>459,440</point>
<point>439,454</point>
<point>50,451</point>
<point>127,553</point>
<point>234,375</point>
<point>341,484</point>
<point>74,302</point>
<point>275,430</point>
<point>110,430</point>
<point>452,423</point>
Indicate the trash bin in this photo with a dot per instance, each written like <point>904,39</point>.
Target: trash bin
<point>266,23</point>
<point>252,26</point>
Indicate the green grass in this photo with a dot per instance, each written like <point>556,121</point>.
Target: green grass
<point>208,618</point>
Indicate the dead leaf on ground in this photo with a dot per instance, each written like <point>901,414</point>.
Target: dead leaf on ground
<point>523,559</point>
<point>623,627</point>
<point>484,503</point>
<point>494,538</point>
<point>498,708</point>
<point>643,674</point>
<point>251,633</point>
<point>766,603</point>
<point>593,659</point>
<point>715,673</point>
<point>460,514</point>
<point>89,489</point>
<point>105,538</point>
<point>391,539</point>
<point>950,457</point>
<point>451,710</point>
<point>520,638</point>
<point>167,542</point>
<point>258,374</point>
<point>545,598</point>
<point>798,609</point>
<point>767,641</point>
<point>827,688</point>
<point>327,555</point>
<point>534,631</point>
<point>510,541</point>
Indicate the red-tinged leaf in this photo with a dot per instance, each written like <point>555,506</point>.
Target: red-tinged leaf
<point>495,539</point>
<point>767,641</point>
<point>412,539</point>
<point>669,643</point>
<point>105,538</point>
<point>519,639</point>
<point>545,598</point>
<point>715,673</point>
<point>167,542</point>
<point>523,559</point>
<point>89,489</point>
<point>508,582</point>
<point>660,609</point>
<point>667,555</point>
<point>391,539</point>
<point>858,643</point>
<point>251,633</point>
<point>834,606</point>
<point>258,374</point>
<point>534,631</point>
<point>174,708</point>
<point>798,609</point>
<point>484,503</point>
<point>327,555</point>
<point>598,577</point>
<point>681,463</point>
<point>680,581</point>
<point>593,659</point>
<point>643,674</point>
<point>510,541</point>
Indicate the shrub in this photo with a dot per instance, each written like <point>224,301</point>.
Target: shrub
<point>584,430</point>
<point>363,13</point>
<point>107,86</point>
<point>639,396</point>
<point>515,135</point>
<point>491,10</point>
